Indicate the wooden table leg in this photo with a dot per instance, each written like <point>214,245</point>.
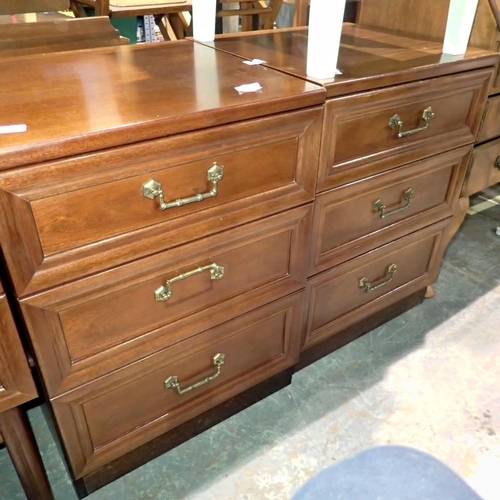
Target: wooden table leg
<point>20,443</point>
<point>300,17</point>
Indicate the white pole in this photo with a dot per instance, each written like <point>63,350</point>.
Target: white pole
<point>458,27</point>
<point>325,28</point>
<point>204,20</point>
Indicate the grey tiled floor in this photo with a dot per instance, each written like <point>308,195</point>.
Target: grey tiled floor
<point>427,379</point>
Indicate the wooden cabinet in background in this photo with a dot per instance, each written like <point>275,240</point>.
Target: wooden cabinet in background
<point>17,387</point>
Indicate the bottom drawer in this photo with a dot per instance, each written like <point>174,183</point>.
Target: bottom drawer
<point>484,170</point>
<point>348,293</point>
<point>117,413</point>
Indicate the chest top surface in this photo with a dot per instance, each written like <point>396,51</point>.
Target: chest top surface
<point>368,59</point>
<point>82,101</point>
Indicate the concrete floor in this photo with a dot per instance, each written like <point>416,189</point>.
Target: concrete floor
<point>428,379</point>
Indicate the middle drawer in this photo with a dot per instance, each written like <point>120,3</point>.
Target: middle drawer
<point>88,328</point>
<point>363,215</point>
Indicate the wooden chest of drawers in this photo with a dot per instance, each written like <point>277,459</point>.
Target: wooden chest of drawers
<point>399,126</point>
<point>162,231</point>
<point>175,243</point>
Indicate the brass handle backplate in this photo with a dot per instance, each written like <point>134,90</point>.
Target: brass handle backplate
<point>173,382</point>
<point>153,189</point>
<point>379,206</point>
<point>427,116</point>
<point>497,162</point>
<point>367,285</point>
<point>163,293</point>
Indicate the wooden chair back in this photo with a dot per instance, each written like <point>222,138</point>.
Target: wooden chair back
<point>254,15</point>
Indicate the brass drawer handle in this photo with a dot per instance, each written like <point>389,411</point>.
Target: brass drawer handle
<point>497,162</point>
<point>153,189</point>
<point>163,293</point>
<point>366,284</point>
<point>173,381</point>
<point>427,116</point>
<point>378,206</point>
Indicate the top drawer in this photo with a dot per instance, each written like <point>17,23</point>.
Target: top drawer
<point>79,216</point>
<point>360,134</point>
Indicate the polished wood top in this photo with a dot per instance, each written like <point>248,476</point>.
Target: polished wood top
<point>82,101</point>
<point>368,59</point>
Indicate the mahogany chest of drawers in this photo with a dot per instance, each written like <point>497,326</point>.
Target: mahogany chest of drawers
<point>400,121</point>
<point>155,227</point>
<point>173,243</point>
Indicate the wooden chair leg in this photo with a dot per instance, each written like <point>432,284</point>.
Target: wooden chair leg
<point>300,17</point>
<point>177,26</point>
<point>20,443</point>
<point>77,9</point>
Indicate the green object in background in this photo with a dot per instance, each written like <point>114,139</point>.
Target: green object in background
<point>127,26</point>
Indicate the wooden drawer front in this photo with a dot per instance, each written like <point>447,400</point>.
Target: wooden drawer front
<point>79,216</point>
<point>346,223</point>
<point>16,383</point>
<point>88,328</point>
<point>484,170</point>
<point>358,140</point>
<point>118,413</point>
<point>490,126</point>
<point>337,300</point>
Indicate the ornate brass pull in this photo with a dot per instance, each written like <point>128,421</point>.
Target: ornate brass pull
<point>378,206</point>
<point>427,116</point>
<point>497,162</point>
<point>173,381</point>
<point>153,189</point>
<point>163,293</point>
<point>366,284</point>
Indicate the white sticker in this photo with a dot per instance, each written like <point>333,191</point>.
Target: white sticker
<point>254,62</point>
<point>248,87</point>
<point>13,129</point>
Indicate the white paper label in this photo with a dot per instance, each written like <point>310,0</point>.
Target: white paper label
<point>254,62</point>
<point>248,87</point>
<point>13,129</point>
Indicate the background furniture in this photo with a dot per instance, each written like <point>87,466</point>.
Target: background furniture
<point>168,14</point>
<point>56,36</point>
<point>17,387</point>
<point>254,15</point>
<point>11,7</point>
<point>302,11</point>
<point>18,39</point>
